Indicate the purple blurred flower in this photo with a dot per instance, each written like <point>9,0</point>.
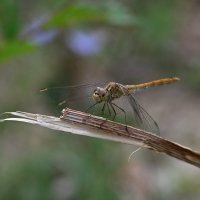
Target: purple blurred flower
<point>86,43</point>
<point>36,34</point>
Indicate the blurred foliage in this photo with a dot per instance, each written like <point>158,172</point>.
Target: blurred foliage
<point>157,22</point>
<point>14,48</point>
<point>10,27</point>
<point>48,173</point>
<point>79,14</point>
<point>9,19</point>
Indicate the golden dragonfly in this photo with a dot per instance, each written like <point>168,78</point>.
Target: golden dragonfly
<point>112,91</point>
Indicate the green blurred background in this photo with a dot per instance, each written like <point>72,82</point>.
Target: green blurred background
<point>56,43</point>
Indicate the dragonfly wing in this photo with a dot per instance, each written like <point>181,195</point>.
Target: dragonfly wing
<point>74,96</point>
<point>142,118</point>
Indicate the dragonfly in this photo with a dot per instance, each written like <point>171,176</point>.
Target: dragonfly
<point>113,91</point>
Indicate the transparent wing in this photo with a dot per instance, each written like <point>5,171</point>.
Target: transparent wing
<point>71,87</point>
<point>74,96</point>
<point>142,118</point>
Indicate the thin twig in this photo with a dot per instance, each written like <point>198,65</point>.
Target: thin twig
<point>81,123</point>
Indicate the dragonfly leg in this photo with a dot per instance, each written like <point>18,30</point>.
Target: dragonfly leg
<point>121,110</point>
<point>108,108</point>
<point>103,108</point>
<point>91,107</point>
<point>113,104</point>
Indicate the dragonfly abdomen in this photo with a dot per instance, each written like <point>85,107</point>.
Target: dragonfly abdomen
<point>154,83</point>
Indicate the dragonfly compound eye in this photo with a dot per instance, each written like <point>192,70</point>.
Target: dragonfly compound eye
<point>99,94</point>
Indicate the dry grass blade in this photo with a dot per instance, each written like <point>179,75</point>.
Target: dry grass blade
<point>81,123</point>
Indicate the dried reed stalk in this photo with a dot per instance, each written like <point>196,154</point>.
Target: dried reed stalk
<point>81,123</point>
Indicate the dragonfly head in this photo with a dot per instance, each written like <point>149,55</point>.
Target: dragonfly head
<point>99,94</point>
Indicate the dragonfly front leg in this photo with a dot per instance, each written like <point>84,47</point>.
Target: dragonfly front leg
<point>91,107</point>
